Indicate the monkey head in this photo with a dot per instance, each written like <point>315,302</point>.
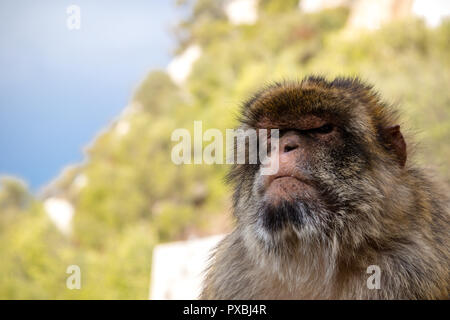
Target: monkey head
<point>340,152</point>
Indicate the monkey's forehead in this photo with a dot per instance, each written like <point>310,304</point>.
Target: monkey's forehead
<point>295,105</point>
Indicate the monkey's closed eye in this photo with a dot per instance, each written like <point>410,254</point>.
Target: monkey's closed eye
<point>325,129</point>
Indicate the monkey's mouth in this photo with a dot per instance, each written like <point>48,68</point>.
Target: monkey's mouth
<point>289,187</point>
<point>288,181</point>
<point>286,178</point>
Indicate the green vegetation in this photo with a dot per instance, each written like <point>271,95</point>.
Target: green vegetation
<point>136,197</point>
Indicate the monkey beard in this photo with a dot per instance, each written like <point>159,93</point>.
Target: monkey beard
<point>288,237</point>
<point>289,222</point>
<point>338,213</point>
<point>273,217</point>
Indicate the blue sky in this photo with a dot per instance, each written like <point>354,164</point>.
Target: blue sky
<point>59,87</point>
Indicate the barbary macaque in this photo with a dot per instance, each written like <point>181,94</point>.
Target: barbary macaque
<point>344,199</point>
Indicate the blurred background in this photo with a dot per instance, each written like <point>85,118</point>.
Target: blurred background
<point>91,91</point>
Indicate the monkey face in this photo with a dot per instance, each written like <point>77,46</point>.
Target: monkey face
<point>330,139</point>
<point>294,180</point>
<point>291,194</point>
<point>297,196</point>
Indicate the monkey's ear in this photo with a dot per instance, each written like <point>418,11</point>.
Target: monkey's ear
<point>394,138</point>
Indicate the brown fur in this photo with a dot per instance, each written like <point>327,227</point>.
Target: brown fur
<point>376,208</point>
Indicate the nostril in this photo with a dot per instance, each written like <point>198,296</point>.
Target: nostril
<point>290,147</point>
